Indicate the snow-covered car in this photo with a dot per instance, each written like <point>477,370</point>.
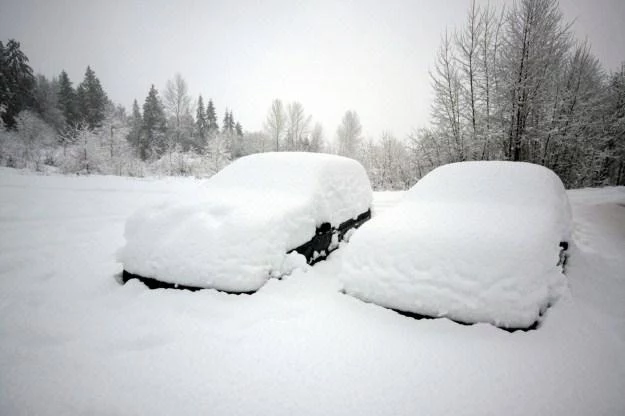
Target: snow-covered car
<point>471,241</point>
<point>260,217</point>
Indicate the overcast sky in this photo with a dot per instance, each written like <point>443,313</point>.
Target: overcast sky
<point>369,56</point>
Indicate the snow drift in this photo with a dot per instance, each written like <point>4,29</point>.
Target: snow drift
<point>74,342</point>
<point>235,230</point>
<point>472,241</point>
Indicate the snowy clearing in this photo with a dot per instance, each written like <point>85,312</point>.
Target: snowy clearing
<point>73,341</point>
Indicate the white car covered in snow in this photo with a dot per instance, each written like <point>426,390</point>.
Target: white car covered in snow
<point>471,241</point>
<point>261,216</point>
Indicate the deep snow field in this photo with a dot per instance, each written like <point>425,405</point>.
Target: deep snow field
<point>73,341</point>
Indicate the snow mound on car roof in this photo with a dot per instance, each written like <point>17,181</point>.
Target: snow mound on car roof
<point>472,241</point>
<point>234,231</point>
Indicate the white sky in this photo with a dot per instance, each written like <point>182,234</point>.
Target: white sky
<point>369,56</point>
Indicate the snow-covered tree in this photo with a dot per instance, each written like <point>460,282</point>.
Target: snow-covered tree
<point>17,82</point>
<point>228,123</point>
<point>218,152</point>
<point>534,46</point>
<point>275,122</point>
<point>211,117</point>
<point>176,99</point>
<point>349,134</point>
<point>395,171</point>
<point>116,152</point>
<point>468,42</point>
<point>67,101</point>
<point>517,87</point>
<point>177,103</point>
<point>488,100</point>
<point>201,123</point>
<point>92,100</point>
<point>316,139</point>
<point>36,141</point>
<point>297,127</point>
<point>45,97</point>
<point>446,107</point>
<point>153,140</point>
<point>257,142</point>
<point>135,127</point>
<point>84,154</point>
<point>613,163</point>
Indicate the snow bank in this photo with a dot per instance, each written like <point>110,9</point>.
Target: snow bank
<point>472,241</point>
<point>235,230</point>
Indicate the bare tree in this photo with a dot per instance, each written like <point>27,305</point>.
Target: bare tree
<point>446,107</point>
<point>316,138</point>
<point>36,139</point>
<point>178,104</point>
<point>468,42</point>
<point>349,134</point>
<point>176,98</point>
<point>574,139</point>
<point>613,164</point>
<point>487,68</point>
<point>275,123</point>
<point>395,173</point>
<point>425,151</point>
<point>535,44</point>
<point>298,125</point>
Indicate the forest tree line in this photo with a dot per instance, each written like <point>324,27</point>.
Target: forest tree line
<point>514,84</point>
<point>50,124</point>
<point>511,84</point>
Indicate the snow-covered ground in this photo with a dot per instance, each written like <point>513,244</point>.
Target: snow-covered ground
<point>74,341</point>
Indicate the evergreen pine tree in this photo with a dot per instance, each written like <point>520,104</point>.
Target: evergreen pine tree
<point>226,123</point>
<point>201,122</point>
<point>46,102</point>
<point>136,125</point>
<point>238,129</point>
<point>154,126</point>
<point>92,100</point>
<point>17,82</point>
<point>228,127</point>
<point>211,117</point>
<point>66,100</point>
<point>4,88</point>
